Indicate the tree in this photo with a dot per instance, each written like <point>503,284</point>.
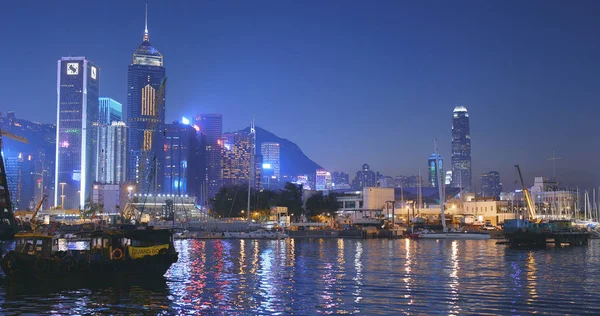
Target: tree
<point>319,204</point>
<point>229,201</point>
<point>291,197</point>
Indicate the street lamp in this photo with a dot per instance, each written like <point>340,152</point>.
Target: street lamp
<point>62,195</point>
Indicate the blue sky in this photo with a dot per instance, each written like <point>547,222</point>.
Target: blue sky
<point>348,81</point>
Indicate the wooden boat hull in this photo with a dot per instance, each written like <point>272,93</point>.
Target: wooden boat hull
<point>24,266</point>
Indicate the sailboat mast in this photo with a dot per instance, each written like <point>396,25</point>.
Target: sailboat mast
<point>439,182</point>
<point>251,165</point>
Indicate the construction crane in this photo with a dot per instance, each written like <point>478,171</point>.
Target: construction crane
<point>33,221</point>
<point>148,173</point>
<point>527,194</point>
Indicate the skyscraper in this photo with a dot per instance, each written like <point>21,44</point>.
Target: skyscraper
<point>145,116</point>
<point>111,167</point>
<point>364,178</point>
<point>433,181</point>
<point>461,149</point>
<point>490,184</point>
<point>184,166</point>
<point>271,156</point>
<point>340,179</point>
<point>110,111</point>
<point>76,128</point>
<point>20,177</point>
<point>212,126</point>
<point>322,180</point>
<point>235,165</point>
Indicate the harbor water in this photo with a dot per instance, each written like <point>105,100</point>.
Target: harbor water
<point>340,276</point>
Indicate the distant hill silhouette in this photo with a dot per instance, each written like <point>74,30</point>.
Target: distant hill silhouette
<point>293,161</point>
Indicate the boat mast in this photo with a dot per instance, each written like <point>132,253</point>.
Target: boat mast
<point>439,181</point>
<point>251,166</point>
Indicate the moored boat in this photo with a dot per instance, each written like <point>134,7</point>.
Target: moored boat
<point>118,254</point>
<point>455,235</point>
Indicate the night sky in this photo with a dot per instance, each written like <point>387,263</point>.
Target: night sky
<point>348,81</point>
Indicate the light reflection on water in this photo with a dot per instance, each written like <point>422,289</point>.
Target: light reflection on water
<point>338,276</point>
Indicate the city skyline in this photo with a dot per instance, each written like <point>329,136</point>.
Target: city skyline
<point>505,119</point>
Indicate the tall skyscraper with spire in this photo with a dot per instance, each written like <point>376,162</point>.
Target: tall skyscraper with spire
<point>461,149</point>
<point>145,116</point>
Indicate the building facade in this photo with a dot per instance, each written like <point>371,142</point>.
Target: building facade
<point>364,178</point>
<point>461,149</point>
<point>271,166</point>
<point>111,167</point>
<point>212,126</point>
<point>236,159</point>
<point>20,177</point>
<point>435,171</point>
<point>76,129</point>
<point>145,116</point>
<point>184,168</point>
<point>490,184</point>
<point>323,180</point>
<point>340,179</point>
<point>109,111</point>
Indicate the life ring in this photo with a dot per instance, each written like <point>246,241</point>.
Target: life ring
<point>117,254</point>
<point>11,262</point>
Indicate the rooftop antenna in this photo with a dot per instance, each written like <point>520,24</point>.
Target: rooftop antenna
<point>146,37</point>
<point>554,159</point>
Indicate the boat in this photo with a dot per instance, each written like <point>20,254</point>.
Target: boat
<point>445,234</point>
<point>123,253</point>
<point>258,234</point>
<point>454,235</point>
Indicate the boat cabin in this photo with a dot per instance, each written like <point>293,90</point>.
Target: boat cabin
<point>35,244</point>
<point>132,244</point>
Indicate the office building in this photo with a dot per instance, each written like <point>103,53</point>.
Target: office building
<point>340,178</point>
<point>448,179</point>
<point>323,180</point>
<point>76,129</point>
<point>145,116</point>
<point>490,184</point>
<point>364,178</point>
<point>235,163</point>
<point>110,111</point>
<point>435,171</point>
<point>184,168</point>
<point>461,149</point>
<point>20,177</point>
<point>271,155</point>
<point>271,166</point>
<point>42,148</point>
<point>111,167</point>
<point>212,126</point>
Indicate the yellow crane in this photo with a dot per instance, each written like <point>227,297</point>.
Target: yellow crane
<point>33,221</point>
<point>527,194</point>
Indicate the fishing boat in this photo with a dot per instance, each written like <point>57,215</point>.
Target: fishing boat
<point>128,252</point>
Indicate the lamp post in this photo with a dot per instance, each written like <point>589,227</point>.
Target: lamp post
<point>62,195</point>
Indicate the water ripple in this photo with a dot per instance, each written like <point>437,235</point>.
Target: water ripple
<point>337,276</point>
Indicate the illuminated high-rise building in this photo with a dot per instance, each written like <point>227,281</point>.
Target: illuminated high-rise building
<point>145,116</point>
<point>185,160</point>
<point>76,128</point>
<point>433,172</point>
<point>20,177</point>
<point>271,166</point>
<point>235,163</point>
<point>212,126</point>
<point>321,179</point>
<point>110,111</point>
<point>364,178</point>
<point>461,149</point>
<point>490,184</point>
<point>111,167</point>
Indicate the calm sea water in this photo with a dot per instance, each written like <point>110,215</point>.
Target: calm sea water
<point>336,276</point>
